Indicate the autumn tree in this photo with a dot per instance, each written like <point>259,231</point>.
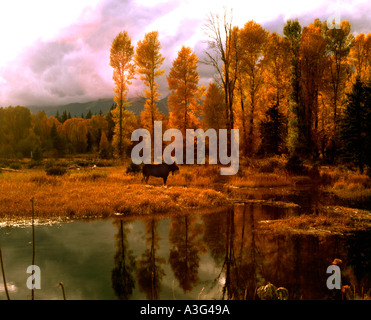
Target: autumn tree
<point>42,125</point>
<point>183,85</point>
<point>313,62</point>
<point>339,42</point>
<point>360,54</point>
<point>277,71</point>
<point>121,60</point>
<point>76,130</point>
<point>105,151</point>
<point>222,54</point>
<point>126,126</point>
<point>253,40</point>
<point>15,126</point>
<point>213,109</point>
<point>97,125</point>
<point>292,33</point>
<point>149,60</point>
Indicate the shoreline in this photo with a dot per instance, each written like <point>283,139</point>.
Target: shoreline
<point>334,220</point>
<point>107,192</point>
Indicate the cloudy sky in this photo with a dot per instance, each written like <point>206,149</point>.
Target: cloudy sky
<point>57,51</point>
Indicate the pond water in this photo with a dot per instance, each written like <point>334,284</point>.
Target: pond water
<point>216,255</point>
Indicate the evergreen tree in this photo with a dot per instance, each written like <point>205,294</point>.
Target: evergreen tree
<point>89,140</point>
<point>89,115</point>
<point>57,141</point>
<point>355,126</point>
<point>368,127</point>
<point>37,154</point>
<point>64,116</point>
<point>105,150</point>
<point>273,131</point>
<point>111,124</point>
<point>58,117</point>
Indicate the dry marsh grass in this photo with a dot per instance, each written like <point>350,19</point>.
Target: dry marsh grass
<point>331,220</point>
<point>257,180</point>
<point>350,187</point>
<point>101,193</point>
<point>104,191</point>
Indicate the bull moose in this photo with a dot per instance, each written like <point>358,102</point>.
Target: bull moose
<point>158,170</point>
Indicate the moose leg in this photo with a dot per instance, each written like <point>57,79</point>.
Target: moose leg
<point>165,178</point>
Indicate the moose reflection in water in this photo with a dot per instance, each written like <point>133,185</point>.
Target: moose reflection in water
<point>242,257</point>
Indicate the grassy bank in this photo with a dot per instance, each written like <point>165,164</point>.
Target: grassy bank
<point>99,192</point>
<point>96,188</point>
<point>331,220</point>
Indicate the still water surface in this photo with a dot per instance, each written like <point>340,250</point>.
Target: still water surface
<point>217,255</point>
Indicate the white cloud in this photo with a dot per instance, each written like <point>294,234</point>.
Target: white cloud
<point>57,51</point>
<point>23,22</point>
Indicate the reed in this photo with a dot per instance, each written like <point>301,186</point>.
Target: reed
<point>61,284</point>
<point>3,272</point>
<point>33,243</point>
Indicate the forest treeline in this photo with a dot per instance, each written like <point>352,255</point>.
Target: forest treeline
<point>305,93</point>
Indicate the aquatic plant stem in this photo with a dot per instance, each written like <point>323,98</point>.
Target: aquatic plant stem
<point>2,270</point>
<point>33,244</point>
<point>62,286</point>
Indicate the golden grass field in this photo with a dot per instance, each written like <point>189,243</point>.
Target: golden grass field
<point>100,192</point>
<point>92,192</point>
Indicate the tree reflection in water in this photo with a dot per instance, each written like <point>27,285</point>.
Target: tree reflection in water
<point>123,281</point>
<point>248,258</point>
<point>184,236</point>
<point>235,251</point>
<point>149,269</point>
<point>224,255</point>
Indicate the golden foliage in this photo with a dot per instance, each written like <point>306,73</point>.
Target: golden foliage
<point>149,60</point>
<point>183,83</point>
<point>121,60</point>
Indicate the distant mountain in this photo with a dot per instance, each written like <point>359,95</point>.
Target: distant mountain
<point>104,105</point>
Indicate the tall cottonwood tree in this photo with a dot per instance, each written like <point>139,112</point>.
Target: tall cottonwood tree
<point>213,108</point>
<point>222,54</point>
<point>313,63</point>
<point>339,42</point>
<point>277,70</point>
<point>360,55</point>
<point>121,60</point>
<point>183,84</point>
<point>253,40</point>
<point>292,33</point>
<point>149,60</point>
